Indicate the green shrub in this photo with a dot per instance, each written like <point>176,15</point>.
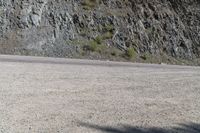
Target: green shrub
<point>93,46</point>
<point>88,4</point>
<point>146,56</point>
<point>107,35</point>
<point>102,48</point>
<point>131,53</point>
<point>109,28</point>
<point>98,40</point>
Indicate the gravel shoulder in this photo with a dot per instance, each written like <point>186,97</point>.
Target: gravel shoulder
<point>64,95</point>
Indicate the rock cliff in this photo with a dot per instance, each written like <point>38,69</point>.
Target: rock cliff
<point>101,28</point>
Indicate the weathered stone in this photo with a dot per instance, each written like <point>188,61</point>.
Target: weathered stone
<point>49,27</point>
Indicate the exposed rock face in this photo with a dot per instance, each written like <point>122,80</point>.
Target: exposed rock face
<point>51,27</point>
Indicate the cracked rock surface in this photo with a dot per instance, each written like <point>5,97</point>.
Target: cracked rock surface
<point>52,27</point>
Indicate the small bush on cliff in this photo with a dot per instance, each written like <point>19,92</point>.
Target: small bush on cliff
<point>93,46</point>
<point>131,53</point>
<point>109,28</point>
<point>107,35</point>
<point>98,40</point>
<point>146,56</point>
<point>88,4</point>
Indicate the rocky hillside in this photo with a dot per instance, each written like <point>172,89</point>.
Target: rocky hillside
<point>137,30</point>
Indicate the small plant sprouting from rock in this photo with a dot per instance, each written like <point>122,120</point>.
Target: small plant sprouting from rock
<point>109,28</point>
<point>93,46</point>
<point>107,35</point>
<point>131,53</point>
<point>98,40</point>
<point>89,4</point>
<point>146,56</point>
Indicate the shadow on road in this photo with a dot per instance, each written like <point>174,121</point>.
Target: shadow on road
<point>181,128</point>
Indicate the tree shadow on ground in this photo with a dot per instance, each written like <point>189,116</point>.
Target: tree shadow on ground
<point>181,128</point>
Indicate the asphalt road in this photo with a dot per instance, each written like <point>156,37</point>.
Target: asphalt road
<point>49,95</point>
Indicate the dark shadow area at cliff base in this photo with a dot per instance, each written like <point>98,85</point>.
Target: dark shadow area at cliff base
<point>181,128</point>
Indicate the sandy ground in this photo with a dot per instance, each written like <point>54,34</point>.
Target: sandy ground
<point>81,96</point>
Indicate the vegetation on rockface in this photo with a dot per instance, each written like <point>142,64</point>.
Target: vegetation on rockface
<point>131,53</point>
<point>89,4</point>
<point>98,40</point>
<point>109,28</point>
<point>102,29</point>
<point>93,46</point>
<point>145,56</point>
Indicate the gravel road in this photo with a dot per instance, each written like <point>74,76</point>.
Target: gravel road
<point>49,95</point>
